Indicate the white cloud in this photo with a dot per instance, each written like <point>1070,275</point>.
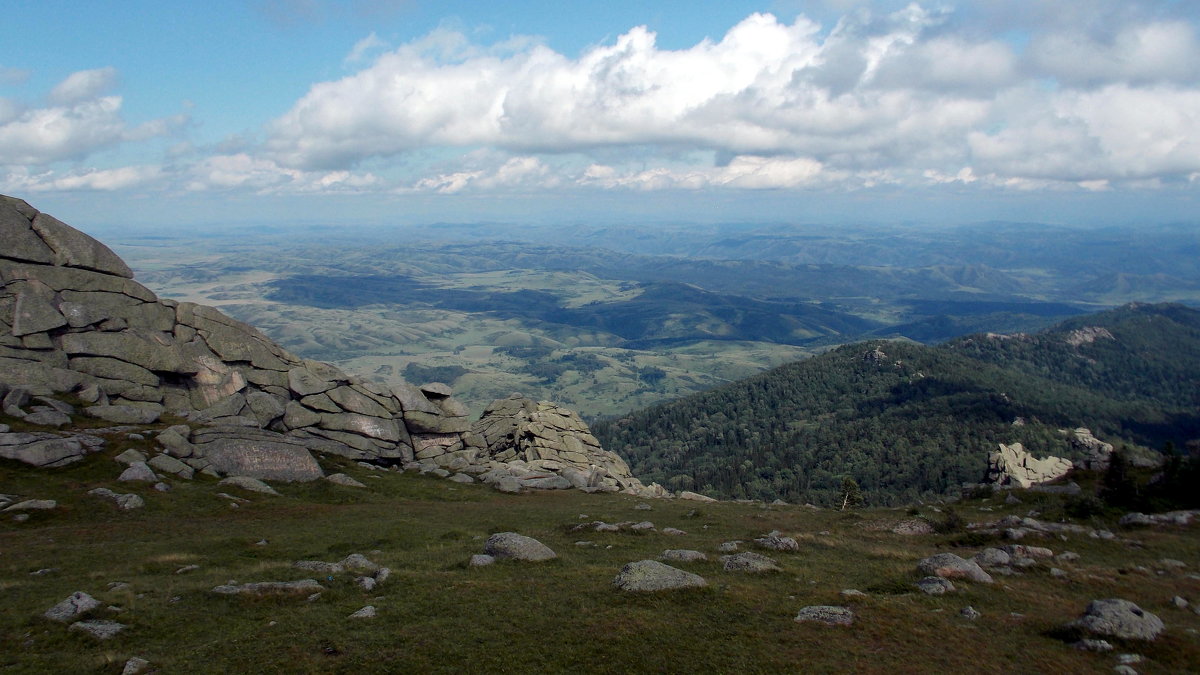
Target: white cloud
<point>83,85</point>
<point>107,180</point>
<point>363,47</point>
<point>904,97</point>
<point>79,121</point>
<point>242,171</point>
<point>1146,53</point>
<point>43,135</point>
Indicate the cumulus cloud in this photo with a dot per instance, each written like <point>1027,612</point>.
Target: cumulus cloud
<point>874,98</point>
<point>78,122</point>
<point>83,85</point>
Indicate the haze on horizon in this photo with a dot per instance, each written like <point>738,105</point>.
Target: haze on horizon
<point>406,111</point>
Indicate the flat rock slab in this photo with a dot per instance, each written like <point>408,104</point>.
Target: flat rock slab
<point>101,630</point>
<point>1118,618</point>
<point>248,483</point>
<point>265,460</point>
<point>682,555</point>
<point>651,575</point>
<point>124,414</point>
<point>517,547</point>
<point>950,566</point>
<point>749,562</point>
<point>303,587</point>
<point>827,614</point>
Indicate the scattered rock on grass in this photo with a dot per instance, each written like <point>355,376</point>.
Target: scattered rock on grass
<point>367,612</point>
<point>969,613</point>
<point>481,560</point>
<point>138,472</point>
<point>651,575</point>
<point>776,542</point>
<point>78,603</point>
<point>682,555</point>
<point>99,629</point>
<point>749,562</point>
<point>950,566</point>
<point>343,480</point>
<point>248,483</point>
<point>135,666</point>
<point>935,586</point>
<point>517,547</point>
<point>827,614</point>
<point>1117,618</point>
<point>265,588</point>
<point>124,501</point>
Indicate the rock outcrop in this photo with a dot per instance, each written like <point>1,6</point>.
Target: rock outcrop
<point>1013,466</point>
<point>1096,453</point>
<point>542,436</point>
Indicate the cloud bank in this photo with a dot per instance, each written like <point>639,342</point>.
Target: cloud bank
<point>916,98</point>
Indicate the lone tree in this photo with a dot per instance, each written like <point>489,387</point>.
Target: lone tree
<point>851,494</point>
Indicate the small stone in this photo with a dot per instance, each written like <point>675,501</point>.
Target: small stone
<point>367,584</point>
<point>950,566</point>
<point>644,526</point>
<point>187,568</point>
<point>138,471</point>
<point>247,483</point>
<point>969,613</point>
<point>642,506</point>
<point>729,546</point>
<point>853,593</point>
<point>135,666</point>
<point>162,487</point>
<point>1055,572</point>
<point>367,612</point>
<point>1180,602</point>
<point>343,480</point>
<point>827,614</point>
<point>481,560</point>
<point>1090,645</point>
<point>1130,659</point>
<point>682,555</point>
<point>1123,669</point>
<point>935,586</point>
<point>671,531</point>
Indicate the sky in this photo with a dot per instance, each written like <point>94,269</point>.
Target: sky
<point>177,114</point>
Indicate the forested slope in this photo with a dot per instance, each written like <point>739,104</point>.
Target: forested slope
<point>906,420</point>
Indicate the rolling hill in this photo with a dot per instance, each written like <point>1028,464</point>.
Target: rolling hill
<point>908,420</point>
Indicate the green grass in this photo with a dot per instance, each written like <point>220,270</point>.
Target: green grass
<point>438,615</point>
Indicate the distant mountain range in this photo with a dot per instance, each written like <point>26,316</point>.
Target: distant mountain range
<point>908,420</point>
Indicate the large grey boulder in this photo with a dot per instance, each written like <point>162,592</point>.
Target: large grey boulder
<point>517,547</point>
<point>42,449</point>
<point>1118,618</point>
<point>266,460</point>
<point>651,575</point>
<point>950,566</point>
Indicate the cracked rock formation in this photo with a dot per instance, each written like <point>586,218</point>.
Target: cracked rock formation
<point>73,320</point>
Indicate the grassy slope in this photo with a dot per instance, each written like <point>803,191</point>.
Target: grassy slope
<point>437,615</point>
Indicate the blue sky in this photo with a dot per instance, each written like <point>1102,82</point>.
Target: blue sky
<point>397,111</point>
